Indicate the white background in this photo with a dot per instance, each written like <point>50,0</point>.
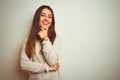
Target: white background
<point>90,32</point>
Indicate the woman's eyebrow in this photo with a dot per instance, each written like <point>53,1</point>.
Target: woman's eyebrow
<point>45,13</point>
<point>42,13</point>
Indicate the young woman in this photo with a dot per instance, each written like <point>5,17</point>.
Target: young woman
<point>40,51</point>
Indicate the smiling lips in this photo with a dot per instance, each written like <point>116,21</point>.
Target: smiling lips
<point>45,22</point>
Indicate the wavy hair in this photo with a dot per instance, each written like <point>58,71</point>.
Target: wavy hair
<point>33,34</point>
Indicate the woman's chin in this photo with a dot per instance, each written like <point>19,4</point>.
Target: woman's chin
<point>45,27</point>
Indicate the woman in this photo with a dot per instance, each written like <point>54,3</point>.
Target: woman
<point>40,51</point>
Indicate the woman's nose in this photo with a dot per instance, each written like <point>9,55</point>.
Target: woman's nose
<point>46,17</point>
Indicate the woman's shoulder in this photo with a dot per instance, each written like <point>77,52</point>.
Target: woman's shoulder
<point>25,41</point>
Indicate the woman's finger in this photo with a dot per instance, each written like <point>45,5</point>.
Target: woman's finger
<point>42,29</point>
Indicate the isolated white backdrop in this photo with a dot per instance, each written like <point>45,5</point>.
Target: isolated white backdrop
<point>90,32</point>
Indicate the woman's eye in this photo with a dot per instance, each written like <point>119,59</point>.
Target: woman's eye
<point>50,16</point>
<point>42,14</point>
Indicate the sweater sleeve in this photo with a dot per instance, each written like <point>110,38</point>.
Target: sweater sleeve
<point>51,51</point>
<point>28,65</point>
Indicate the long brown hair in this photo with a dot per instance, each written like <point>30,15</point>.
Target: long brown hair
<point>33,34</point>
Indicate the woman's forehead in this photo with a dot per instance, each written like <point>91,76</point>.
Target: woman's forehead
<point>46,10</point>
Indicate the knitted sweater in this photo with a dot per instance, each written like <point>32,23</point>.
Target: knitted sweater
<point>39,65</point>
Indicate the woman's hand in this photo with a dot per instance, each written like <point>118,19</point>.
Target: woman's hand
<point>43,33</point>
<point>55,67</point>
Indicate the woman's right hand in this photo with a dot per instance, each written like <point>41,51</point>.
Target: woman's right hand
<point>43,33</point>
<point>55,67</point>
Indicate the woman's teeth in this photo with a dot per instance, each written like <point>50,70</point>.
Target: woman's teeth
<point>45,23</point>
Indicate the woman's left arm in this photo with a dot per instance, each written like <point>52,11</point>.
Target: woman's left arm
<point>51,51</point>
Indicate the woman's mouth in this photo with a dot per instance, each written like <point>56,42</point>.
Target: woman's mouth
<point>45,22</point>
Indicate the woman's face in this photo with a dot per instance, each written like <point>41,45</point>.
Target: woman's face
<point>45,18</point>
